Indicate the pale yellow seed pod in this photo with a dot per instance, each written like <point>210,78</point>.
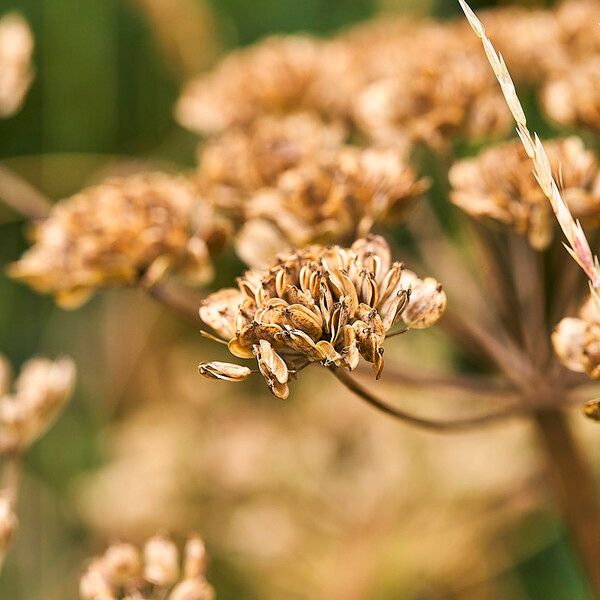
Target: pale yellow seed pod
<point>195,558</point>
<point>427,301</point>
<point>224,371</point>
<point>161,559</point>
<point>121,563</point>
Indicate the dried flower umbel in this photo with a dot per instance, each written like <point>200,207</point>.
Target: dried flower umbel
<point>40,393</point>
<point>332,197</point>
<point>124,573</point>
<point>499,184</point>
<point>277,75</point>
<point>16,72</point>
<point>121,232</point>
<point>234,165</point>
<point>328,305</point>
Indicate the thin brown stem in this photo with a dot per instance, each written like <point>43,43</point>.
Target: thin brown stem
<point>438,425</point>
<point>575,489</point>
<point>21,196</point>
<point>395,372</point>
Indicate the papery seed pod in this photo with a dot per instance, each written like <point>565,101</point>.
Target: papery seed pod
<point>161,561</point>
<point>224,371</point>
<point>195,558</point>
<point>192,589</point>
<point>427,302</point>
<point>93,585</point>
<point>323,304</point>
<point>591,409</point>
<point>121,563</point>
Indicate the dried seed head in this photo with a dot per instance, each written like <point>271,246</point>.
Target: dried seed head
<point>119,232</point>
<point>499,184</point>
<point>330,196</point>
<point>224,371</point>
<point>426,303</point>
<point>41,391</point>
<point>16,72</point>
<point>572,96</point>
<point>120,575</point>
<point>161,561</point>
<point>343,302</point>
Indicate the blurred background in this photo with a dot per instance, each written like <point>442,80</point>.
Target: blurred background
<point>318,497</point>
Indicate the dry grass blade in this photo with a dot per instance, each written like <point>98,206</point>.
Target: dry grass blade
<point>578,246</point>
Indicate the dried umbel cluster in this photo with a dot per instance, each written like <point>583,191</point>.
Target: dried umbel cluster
<point>328,305</point>
<point>125,573</point>
<point>278,75</point>
<point>334,197</point>
<point>499,184</point>
<point>435,87</point>
<point>121,231</point>
<point>290,181</point>
<point>40,392</point>
<point>576,340</point>
<point>16,71</point>
<point>244,159</point>
<point>445,88</point>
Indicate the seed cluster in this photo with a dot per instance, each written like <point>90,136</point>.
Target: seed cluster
<point>576,340</point>
<point>40,393</point>
<point>500,185</point>
<point>119,232</point>
<point>122,573</point>
<point>329,305</point>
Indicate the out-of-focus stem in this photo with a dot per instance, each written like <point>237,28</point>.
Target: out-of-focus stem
<point>21,196</point>
<point>180,299</point>
<point>9,493</point>
<point>575,489</point>
<point>11,477</point>
<point>439,425</point>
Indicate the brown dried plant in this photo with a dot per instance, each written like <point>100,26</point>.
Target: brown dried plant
<point>325,305</point>
<point>123,573</point>
<point>41,391</point>
<point>280,166</point>
<point>123,231</point>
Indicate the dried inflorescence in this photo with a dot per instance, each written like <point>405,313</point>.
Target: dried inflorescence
<point>441,89</point>
<point>276,75</point>
<point>572,96</point>
<point>40,393</point>
<point>233,166</point>
<point>321,304</point>
<point>499,184</point>
<point>332,197</point>
<point>16,71</point>
<point>120,232</point>
<point>576,340</point>
<point>123,573</point>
